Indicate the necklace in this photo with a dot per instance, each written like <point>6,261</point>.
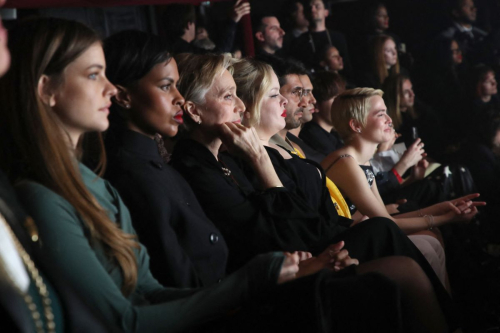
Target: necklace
<point>40,285</point>
<point>311,40</point>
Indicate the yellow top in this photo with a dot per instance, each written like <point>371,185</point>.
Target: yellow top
<point>337,198</point>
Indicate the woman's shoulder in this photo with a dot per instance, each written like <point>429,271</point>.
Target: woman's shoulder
<point>38,194</point>
<point>43,204</point>
<point>338,157</point>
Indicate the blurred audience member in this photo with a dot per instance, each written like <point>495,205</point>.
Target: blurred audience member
<point>384,62</point>
<point>410,117</point>
<point>463,14</point>
<point>308,47</point>
<point>268,34</point>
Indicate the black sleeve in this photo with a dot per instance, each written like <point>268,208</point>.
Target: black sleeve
<point>226,36</point>
<point>252,221</point>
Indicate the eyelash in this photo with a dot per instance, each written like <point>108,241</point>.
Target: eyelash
<point>274,96</point>
<point>166,87</point>
<point>93,76</point>
<point>228,97</point>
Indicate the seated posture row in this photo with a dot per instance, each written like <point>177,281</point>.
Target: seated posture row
<point>259,201</point>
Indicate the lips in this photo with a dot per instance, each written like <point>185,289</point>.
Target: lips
<point>284,113</point>
<point>178,117</point>
<point>106,108</point>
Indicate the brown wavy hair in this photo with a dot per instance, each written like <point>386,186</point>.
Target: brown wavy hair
<point>35,147</point>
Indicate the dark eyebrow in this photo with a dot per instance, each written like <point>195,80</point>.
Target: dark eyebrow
<point>166,79</point>
<point>96,65</point>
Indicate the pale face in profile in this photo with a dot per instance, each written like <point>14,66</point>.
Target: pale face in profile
<point>83,98</point>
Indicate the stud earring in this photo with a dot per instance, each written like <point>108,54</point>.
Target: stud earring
<point>127,106</point>
<point>359,131</point>
<point>199,122</point>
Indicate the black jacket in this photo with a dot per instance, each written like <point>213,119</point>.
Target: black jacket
<point>185,247</point>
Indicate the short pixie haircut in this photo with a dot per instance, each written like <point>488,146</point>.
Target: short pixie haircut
<point>197,73</point>
<point>352,104</point>
<point>253,79</point>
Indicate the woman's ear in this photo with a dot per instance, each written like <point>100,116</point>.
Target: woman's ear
<point>45,91</point>
<point>355,126</point>
<point>122,98</point>
<point>193,111</point>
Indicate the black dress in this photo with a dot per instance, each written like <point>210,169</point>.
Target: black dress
<point>280,218</point>
<point>252,221</point>
<point>185,247</point>
<point>365,240</point>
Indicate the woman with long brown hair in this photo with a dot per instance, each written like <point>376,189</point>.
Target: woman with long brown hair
<point>83,225</point>
<point>384,61</point>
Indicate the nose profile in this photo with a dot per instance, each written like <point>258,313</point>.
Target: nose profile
<point>239,105</point>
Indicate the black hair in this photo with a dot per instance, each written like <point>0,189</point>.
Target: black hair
<point>175,19</point>
<point>454,4</point>
<point>289,8</point>
<point>476,75</point>
<point>130,55</point>
<point>283,67</point>
<point>441,56</point>
<point>327,85</point>
<point>257,24</point>
<point>370,13</point>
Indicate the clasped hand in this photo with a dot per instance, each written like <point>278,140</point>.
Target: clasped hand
<point>298,264</point>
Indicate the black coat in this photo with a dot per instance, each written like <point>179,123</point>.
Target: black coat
<point>185,247</point>
<point>252,221</point>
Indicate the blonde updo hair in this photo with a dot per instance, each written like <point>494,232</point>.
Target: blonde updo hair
<point>352,104</point>
<point>197,73</point>
<point>253,79</point>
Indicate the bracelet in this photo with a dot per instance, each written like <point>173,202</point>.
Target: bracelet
<point>398,177</point>
<point>430,221</point>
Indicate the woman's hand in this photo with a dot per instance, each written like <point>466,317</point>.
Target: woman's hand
<point>445,206</point>
<point>384,146</point>
<point>289,268</point>
<point>333,257</point>
<point>393,208</point>
<point>418,171</point>
<point>413,154</point>
<point>241,141</point>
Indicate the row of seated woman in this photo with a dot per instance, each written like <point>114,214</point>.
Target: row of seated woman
<point>245,238</point>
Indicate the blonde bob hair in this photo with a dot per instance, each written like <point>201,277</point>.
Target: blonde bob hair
<point>253,79</point>
<point>353,104</point>
<point>197,73</point>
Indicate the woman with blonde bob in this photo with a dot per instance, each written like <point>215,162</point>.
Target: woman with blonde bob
<point>361,119</point>
<point>83,224</point>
